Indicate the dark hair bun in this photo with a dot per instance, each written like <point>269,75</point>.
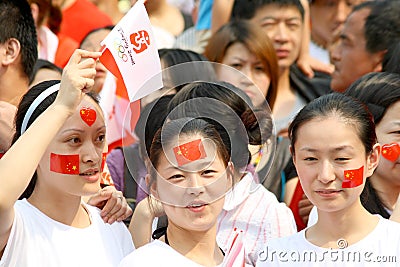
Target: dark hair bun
<point>258,124</point>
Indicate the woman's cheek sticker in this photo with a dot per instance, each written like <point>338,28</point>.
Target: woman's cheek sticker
<point>391,151</point>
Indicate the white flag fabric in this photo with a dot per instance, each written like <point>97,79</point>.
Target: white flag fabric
<point>130,53</point>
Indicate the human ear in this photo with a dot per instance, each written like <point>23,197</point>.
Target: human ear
<point>373,159</point>
<point>11,51</point>
<point>230,170</point>
<point>378,59</point>
<point>291,149</point>
<point>152,185</point>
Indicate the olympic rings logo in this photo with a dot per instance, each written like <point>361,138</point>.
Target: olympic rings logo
<point>118,46</point>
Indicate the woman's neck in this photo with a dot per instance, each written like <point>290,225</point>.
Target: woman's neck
<point>388,192</point>
<point>66,209</point>
<point>200,247</point>
<point>351,224</point>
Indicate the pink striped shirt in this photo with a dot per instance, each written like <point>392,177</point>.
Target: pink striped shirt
<point>250,207</point>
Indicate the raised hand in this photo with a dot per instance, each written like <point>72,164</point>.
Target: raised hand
<point>77,78</point>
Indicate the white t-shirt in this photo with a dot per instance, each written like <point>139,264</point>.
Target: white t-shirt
<point>157,254</point>
<point>39,241</point>
<point>379,248</point>
<point>251,208</point>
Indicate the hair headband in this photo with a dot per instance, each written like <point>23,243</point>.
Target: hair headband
<point>38,100</point>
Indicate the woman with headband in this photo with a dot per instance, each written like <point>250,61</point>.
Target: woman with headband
<point>55,160</point>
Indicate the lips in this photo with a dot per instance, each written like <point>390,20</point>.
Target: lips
<point>90,175</point>
<point>197,206</point>
<point>328,192</point>
<point>282,53</point>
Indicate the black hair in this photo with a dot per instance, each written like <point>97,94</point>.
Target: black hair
<point>17,22</point>
<point>345,107</point>
<point>391,59</point>
<point>43,64</point>
<point>246,9</point>
<point>378,90</point>
<point>151,118</point>
<point>23,107</point>
<point>230,110</point>
<point>382,25</point>
<point>190,72</point>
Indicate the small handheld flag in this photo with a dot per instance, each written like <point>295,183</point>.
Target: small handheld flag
<point>130,53</point>
<point>236,255</point>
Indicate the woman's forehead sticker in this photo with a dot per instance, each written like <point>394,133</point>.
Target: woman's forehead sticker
<point>88,115</point>
<point>189,152</point>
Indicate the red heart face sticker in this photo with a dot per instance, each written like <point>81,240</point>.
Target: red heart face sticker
<point>88,115</point>
<point>391,151</point>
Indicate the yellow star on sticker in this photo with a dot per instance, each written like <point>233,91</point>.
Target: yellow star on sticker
<point>347,175</point>
<point>74,167</point>
<point>82,111</point>
<point>179,152</point>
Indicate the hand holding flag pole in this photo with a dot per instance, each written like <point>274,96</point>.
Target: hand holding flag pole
<point>130,53</point>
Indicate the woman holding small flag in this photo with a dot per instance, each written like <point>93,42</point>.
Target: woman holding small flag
<point>55,160</point>
<point>334,148</point>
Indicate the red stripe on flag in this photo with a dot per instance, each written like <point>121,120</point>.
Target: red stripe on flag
<point>65,164</point>
<point>353,178</point>
<point>109,62</point>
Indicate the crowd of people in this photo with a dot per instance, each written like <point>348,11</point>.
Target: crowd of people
<point>274,141</point>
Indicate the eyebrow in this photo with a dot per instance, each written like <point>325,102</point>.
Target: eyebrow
<point>238,58</point>
<point>203,163</point>
<point>275,18</point>
<point>81,131</point>
<point>339,148</point>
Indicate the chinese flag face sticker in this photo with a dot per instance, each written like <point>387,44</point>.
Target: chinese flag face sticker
<point>88,115</point>
<point>391,151</point>
<point>189,152</point>
<point>353,178</point>
<point>65,164</point>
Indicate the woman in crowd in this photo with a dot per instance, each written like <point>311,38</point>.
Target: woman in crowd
<point>335,149</point>
<point>244,47</point>
<point>51,225</point>
<point>238,126</point>
<point>189,172</point>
